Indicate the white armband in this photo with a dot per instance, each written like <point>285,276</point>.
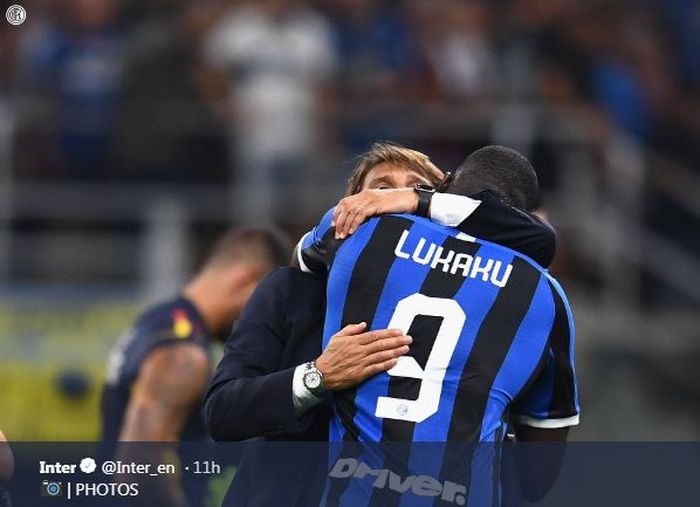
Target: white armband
<point>451,210</point>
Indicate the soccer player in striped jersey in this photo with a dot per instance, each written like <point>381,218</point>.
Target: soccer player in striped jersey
<point>492,330</point>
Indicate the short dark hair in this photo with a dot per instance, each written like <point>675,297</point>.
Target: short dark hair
<point>502,170</point>
<point>266,246</point>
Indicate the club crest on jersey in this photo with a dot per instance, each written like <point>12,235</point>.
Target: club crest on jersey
<point>182,327</point>
<point>424,253</point>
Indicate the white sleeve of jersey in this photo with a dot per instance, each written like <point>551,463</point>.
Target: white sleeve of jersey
<point>451,210</point>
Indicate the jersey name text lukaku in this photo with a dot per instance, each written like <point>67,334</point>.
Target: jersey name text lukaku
<point>489,270</point>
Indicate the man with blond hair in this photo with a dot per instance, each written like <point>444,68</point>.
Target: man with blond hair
<point>380,167</point>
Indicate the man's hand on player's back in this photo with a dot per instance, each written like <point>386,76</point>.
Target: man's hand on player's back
<point>353,356</point>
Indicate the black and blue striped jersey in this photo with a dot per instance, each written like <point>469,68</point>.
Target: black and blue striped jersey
<point>493,333</point>
<point>483,215</point>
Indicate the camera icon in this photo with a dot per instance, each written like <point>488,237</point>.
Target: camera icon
<point>51,488</point>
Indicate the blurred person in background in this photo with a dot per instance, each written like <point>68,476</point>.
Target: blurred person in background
<point>158,370</point>
<point>546,65</point>
<point>166,132</point>
<point>617,66</point>
<point>683,19</point>
<point>8,41</point>
<point>7,468</point>
<point>381,66</point>
<point>616,83</point>
<point>456,41</point>
<point>71,75</point>
<point>376,47</point>
<point>277,58</point>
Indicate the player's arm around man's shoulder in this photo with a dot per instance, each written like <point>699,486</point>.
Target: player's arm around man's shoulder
<point>483,215</point>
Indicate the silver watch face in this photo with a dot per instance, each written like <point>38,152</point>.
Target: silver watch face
<point>312,380</point>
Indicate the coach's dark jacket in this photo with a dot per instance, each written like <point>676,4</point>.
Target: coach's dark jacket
<point>250,394</point>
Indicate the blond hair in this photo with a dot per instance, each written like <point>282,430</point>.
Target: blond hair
<point>380,153</point>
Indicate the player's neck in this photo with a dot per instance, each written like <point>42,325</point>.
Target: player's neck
<point>201,295</point>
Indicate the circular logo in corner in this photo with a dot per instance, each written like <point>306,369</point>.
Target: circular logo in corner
<point>16,15</point>
<point>88,465</point>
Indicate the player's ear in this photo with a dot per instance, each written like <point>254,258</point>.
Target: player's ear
<point>241,277</point>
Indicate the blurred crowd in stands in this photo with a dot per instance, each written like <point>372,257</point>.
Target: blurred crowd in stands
<point>170,90</point>
<point>259,92</point>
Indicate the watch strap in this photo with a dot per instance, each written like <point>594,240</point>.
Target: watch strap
<point>425,196</point>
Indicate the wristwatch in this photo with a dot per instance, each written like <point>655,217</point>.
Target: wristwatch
<point>313,379</point>
<point>425,195</point>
